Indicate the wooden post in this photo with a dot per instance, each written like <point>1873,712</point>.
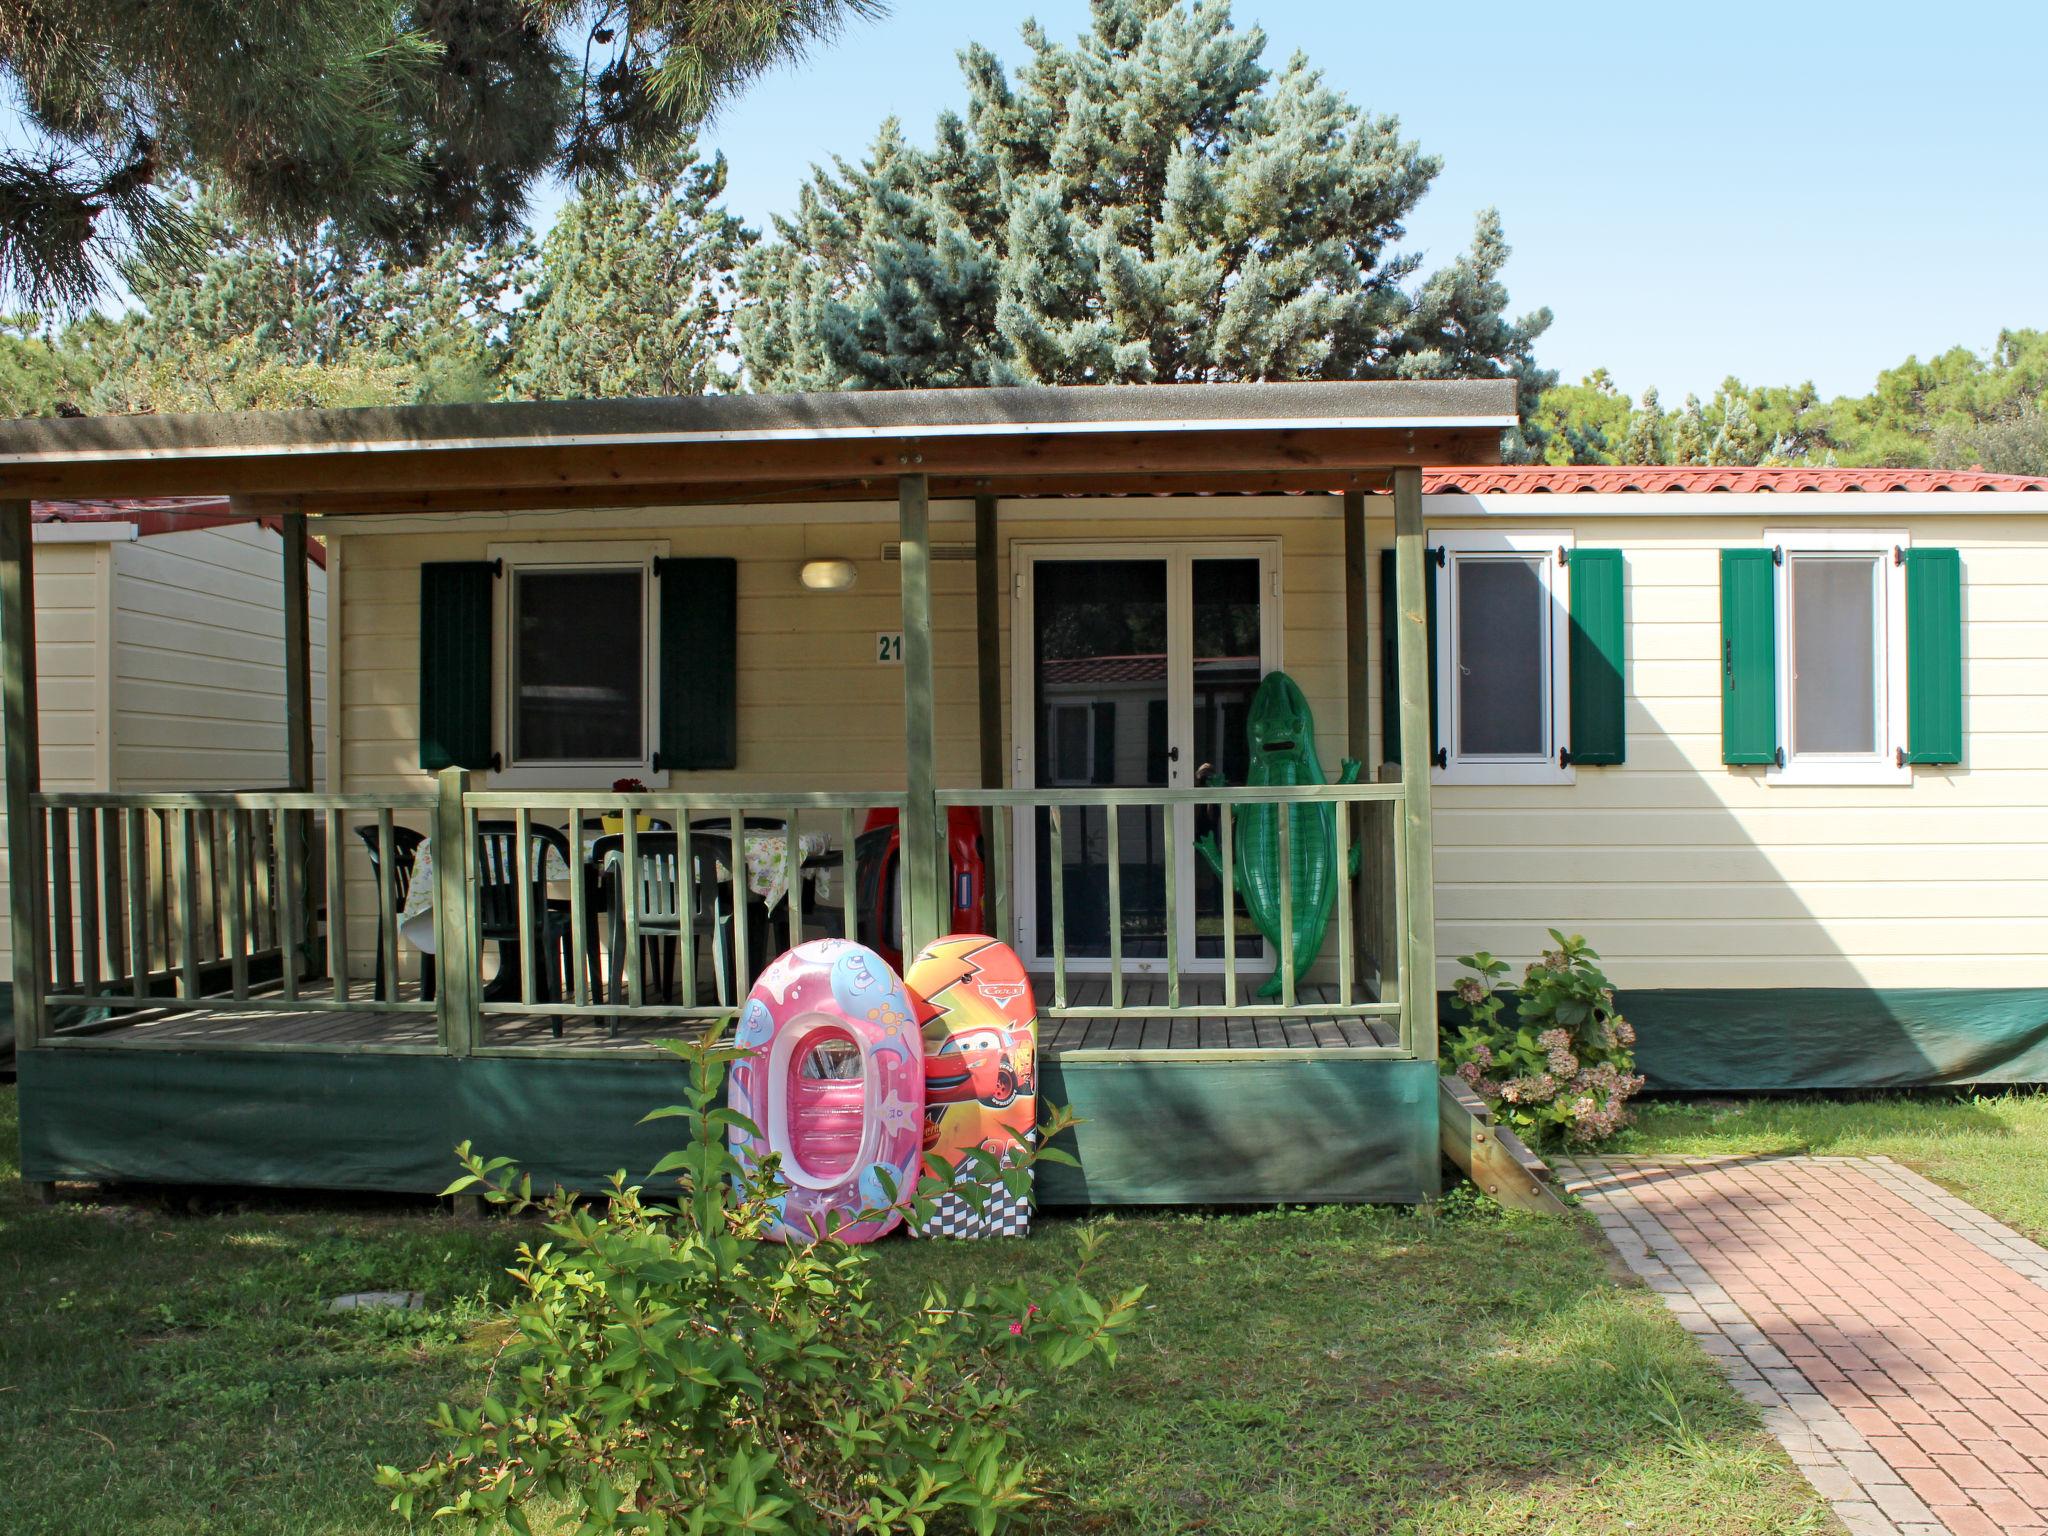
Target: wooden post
<point>988,640</point>
<point>298,728</point>
<point>1358,740</point>
<point>27,885</point>
<point>456,993</point>
<point>1418,991</point>
<point>298,656</point>
<point>923,839</point>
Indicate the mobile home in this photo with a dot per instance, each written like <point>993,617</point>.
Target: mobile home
<point>1770,740</point>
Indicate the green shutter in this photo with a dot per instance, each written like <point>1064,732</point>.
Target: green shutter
<point>455,664</point>
<point>1749,656</point>
<point>1599,731</point>
<point>699,664</point>
<point>1934,656</point>
<point>1103,769</point>
<point>1390,665</point>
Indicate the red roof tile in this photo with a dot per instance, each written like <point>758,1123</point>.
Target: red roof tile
<point>1665,479</point>
<point>153,515</point>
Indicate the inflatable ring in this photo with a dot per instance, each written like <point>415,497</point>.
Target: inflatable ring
<point>835,1088</point>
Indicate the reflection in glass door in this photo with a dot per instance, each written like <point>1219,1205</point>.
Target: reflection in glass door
<point>1226,671</point>
<point>1099,645</point>
<point>1142,670</point>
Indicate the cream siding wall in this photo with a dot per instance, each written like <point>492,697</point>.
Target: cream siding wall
<point>1681,871</point>
<point>816,711</point>
<point>71,582</point>
<point>199,661</point>
<point>1687,873</point>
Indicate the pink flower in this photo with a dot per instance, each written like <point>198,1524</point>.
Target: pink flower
<point>1015,1329</point>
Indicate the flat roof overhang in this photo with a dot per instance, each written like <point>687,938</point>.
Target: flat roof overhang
<point>1161,438</point>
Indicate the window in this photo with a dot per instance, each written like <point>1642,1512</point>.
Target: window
<point>1841,656</point>
<point>1082,744</point>
<point>1503,688</point>
<point>577,663</point>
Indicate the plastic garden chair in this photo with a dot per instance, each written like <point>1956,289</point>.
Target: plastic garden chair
<point>405,853</point>
<point>497,905</point>
<point>673,903</point>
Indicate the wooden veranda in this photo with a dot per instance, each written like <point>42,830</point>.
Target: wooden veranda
<point>188,954</point>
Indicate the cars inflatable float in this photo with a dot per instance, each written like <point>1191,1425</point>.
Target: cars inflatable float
<point>980,1072</point>
<point>834,1086</point>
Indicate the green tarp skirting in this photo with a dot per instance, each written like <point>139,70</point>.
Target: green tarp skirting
<point>1732,1040</point>
<point>1245,1130</point>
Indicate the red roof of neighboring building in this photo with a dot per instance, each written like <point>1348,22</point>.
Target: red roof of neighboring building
<point>153,515</point>
<point>1665,479</point>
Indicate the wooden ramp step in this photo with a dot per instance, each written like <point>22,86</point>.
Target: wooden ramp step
<point>1494,1158</point>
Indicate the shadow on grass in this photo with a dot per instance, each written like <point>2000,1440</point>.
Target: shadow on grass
<point>1332,1369</point>
<point>1346,1369</point>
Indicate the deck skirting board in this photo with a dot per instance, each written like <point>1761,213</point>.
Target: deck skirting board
<point>1299,1128</point>
<point>1772,1039</point>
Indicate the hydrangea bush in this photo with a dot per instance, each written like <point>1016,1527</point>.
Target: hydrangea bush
<point>670,1372</point>
<point>1562,1069</point>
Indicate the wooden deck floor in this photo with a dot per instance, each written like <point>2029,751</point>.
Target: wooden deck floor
<point>363,1023</point>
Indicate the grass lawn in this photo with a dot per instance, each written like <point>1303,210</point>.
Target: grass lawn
<point>1991,1150</point>
<point>1445,1373</point>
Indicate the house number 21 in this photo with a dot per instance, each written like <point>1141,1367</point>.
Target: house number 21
<point>889,649</point>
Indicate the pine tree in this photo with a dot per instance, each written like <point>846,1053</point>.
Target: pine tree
<point>635,289</point>
<point>1148,204</point>
<point>1739,440</point>
<point>1644,441</point>
<point>265,321</point>
<point>1689,436</point>
<point>404,122</point>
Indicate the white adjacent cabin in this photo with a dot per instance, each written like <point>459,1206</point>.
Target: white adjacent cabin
<point>160,649</point>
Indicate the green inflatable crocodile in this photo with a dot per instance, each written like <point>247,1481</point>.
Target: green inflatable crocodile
<point>1283,743</point>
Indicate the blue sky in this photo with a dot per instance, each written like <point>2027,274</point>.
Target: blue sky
<point>1782,191</point>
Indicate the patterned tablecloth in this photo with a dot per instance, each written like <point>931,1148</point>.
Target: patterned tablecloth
<point>767,855</point>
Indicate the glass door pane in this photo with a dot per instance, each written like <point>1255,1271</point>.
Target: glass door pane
<point>1227,667</point>
<point>1100,720</point>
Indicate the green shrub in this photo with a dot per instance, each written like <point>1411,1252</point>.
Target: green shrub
<point>670,1372</point>
<point>1563,1070</point>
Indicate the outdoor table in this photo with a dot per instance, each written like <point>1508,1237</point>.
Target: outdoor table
<point>767,860</point>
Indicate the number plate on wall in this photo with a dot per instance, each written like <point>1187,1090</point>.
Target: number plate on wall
<point>889,648</point>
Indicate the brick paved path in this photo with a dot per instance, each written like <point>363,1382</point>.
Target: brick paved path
<point>1895,1337</point>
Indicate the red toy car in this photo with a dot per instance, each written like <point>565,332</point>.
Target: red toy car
<point>975,1065</point>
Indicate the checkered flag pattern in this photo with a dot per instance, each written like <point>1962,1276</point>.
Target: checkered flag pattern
<point>1002,1214</point>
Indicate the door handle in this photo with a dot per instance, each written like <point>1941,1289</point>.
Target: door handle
<point>1173,754</point>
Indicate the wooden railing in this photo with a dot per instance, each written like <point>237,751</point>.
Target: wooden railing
<point>261,900</point>
<point>1365,932</point>
<point>740,945</point>
<point>176,901</point>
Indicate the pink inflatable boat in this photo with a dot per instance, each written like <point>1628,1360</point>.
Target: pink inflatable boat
<point>835,1086</point>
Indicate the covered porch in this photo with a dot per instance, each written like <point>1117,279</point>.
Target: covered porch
<point>239,973</point>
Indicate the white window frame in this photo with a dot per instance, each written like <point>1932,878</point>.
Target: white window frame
<point>602,554</point>
<point>1554,545</point>
<point>1882,766</point>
